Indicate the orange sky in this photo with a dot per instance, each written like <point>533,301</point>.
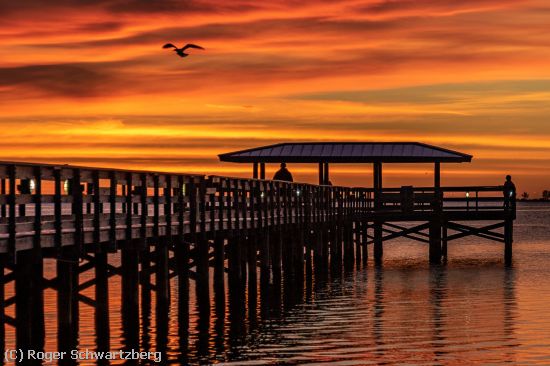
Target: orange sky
<point>87,82</point>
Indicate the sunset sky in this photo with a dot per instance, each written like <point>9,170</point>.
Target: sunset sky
<point>87,82</point>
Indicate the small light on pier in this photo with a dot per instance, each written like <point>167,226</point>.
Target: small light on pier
<point>262,195</point>
<point>67,186</point>
<point>467,194</point>
<point>298,192</point>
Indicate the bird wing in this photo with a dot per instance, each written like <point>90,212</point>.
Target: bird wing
<point>168,45</point>
<point>190,45</point>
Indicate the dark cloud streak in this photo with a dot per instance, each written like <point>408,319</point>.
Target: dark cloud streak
<point>61,79</point>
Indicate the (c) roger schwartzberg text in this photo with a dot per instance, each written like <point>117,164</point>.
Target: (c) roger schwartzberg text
<point>20,355</point>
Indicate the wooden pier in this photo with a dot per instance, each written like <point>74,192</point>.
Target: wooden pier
<point>168,225</point>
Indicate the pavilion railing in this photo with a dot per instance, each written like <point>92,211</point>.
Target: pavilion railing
<point>471,198</point>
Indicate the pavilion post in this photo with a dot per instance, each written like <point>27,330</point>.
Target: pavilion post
<point>378,234</point>
<point>255,170</point>
<point>321,173</point>
<point>437,175</point>
<point>435,229</point>
<point>437,186</point>
<point>377,184</point>
<point>326,178</point>
<point>262,170</point>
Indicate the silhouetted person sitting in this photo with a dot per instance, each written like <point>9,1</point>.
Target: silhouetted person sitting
<point>509,193</point>
<point>283,174</point>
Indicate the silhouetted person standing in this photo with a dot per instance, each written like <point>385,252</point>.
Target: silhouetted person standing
<point>283,174</point>
<point>509,192</point>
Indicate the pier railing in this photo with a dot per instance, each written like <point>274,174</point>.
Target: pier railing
<point>471,198</point>
<point>49,206</point>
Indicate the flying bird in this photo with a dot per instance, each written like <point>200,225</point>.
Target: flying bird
<point>181,51</point>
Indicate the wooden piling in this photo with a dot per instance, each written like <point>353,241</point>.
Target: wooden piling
<point>29,301</point>
<point>508,241</point>
<point>378,246</point>
<point>357,243</point>
<point>364,241</point>
<point>444,242</point>
<point>67,299</point>
<point>435,241</point>
<point>162,279</point>
<point>130,297</point>
<point>102,301</point>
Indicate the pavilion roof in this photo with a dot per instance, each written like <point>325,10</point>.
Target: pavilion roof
<point>346,152</point>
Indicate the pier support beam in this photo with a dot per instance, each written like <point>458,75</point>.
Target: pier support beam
<point>102,302</point>
<point>435,241</point>
<point>202,292</point>
<point>364,240</point>
<point>444,242</point>
<point>162,280</point>
<point>181,253</point>
<point>130,297</point>
<point>508,240</point>
<point>29,301</point>
<point>378,249</point>
<point>67,299</point>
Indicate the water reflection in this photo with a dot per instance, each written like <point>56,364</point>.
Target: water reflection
<point>397,312</point>
<point>438,295</point>
<point>510,315</point>
<point>378,310</point>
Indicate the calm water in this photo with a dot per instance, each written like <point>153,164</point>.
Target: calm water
<point>471,311</point>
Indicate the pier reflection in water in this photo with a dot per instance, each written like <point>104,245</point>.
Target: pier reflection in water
<point>402,311</point>
<point>470,310</point>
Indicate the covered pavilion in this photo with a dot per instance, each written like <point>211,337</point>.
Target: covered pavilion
<point>325,153</point>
